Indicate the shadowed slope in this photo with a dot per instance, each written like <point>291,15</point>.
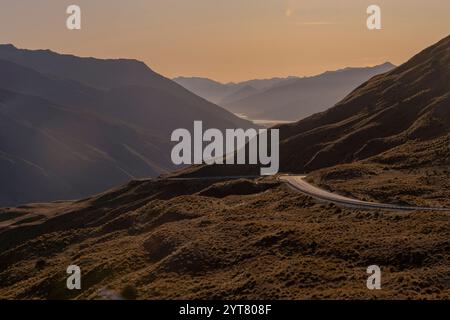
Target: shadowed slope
<point>295,99</point>
<point>74,126</point>
<point>411,102</point>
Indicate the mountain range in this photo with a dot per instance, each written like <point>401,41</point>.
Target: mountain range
<point>72,126</point>
<point>283,99</point>
<point>222,93</point>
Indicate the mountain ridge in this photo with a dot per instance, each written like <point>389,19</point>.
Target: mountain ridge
<point>298,98</point>
<point>283,99</point>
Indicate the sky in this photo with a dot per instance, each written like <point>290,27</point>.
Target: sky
<point>230,40</point>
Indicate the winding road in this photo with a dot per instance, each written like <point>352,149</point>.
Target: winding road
<point>298,183</point>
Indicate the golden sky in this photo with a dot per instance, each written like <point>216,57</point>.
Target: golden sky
<point>230,40</point>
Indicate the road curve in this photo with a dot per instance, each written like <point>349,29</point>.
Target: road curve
<point>299,184</point>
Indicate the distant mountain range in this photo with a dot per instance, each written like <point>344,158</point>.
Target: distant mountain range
<point>71,126</point>
<point>283,99</point>
<point>221,93</point>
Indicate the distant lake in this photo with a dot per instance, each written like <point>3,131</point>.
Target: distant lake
<point>263,122</point>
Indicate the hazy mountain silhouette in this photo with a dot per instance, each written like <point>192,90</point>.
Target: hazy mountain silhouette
<point>98,73</point>
<point>302,97</point>
<point>217,92</point>
<point>284,99</point>
<point>209,89</point>
<point>71,126</point>
<point>239,94</point>
<point>49,152</point>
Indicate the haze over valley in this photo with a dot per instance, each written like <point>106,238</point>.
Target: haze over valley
<point>279,100</point>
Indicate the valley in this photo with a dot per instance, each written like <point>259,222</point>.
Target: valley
<point>280,100</point>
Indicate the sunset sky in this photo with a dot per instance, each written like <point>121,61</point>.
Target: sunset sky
<point>230,40</point>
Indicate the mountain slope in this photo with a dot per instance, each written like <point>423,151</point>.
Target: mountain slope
<point>62,138</point>
<point>17,78</point>
<point>97,73</point>
<point>410,102</point>
<point>49,152</point>
<point>110,74</point>
<point>414,173</point>
<point>298,98</point>
<point>209,89</point>
<point>203,239</point>
<point>239,94</point>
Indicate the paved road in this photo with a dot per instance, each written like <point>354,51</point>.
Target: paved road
<point>298,183</point>
<point>211,178</point>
